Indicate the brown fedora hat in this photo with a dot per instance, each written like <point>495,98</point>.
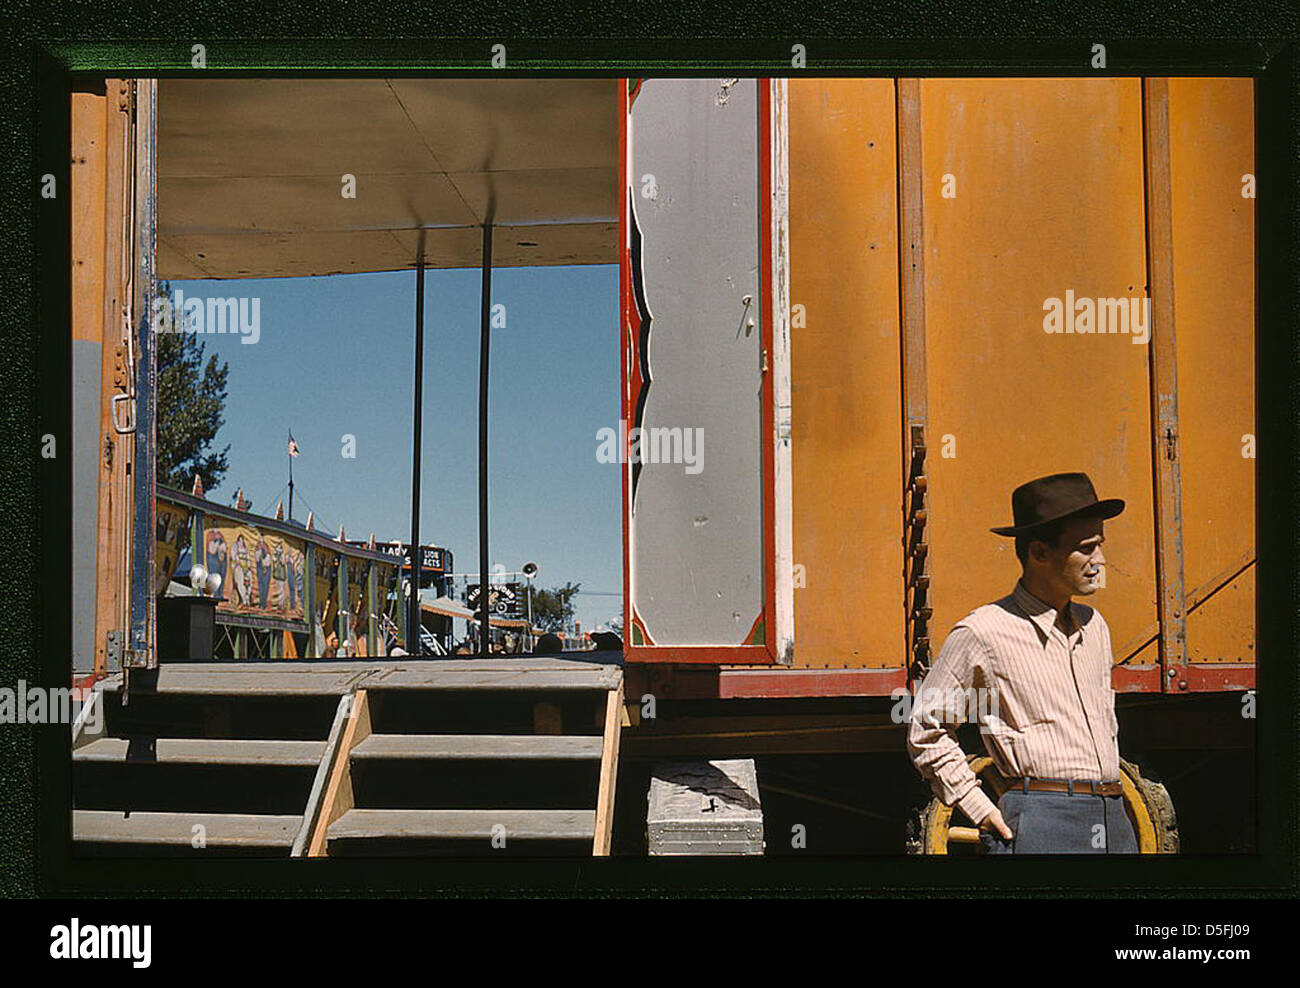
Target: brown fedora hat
<point>1049,499</point>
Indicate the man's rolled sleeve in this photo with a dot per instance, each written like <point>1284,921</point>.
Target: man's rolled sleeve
<point>932,735</point>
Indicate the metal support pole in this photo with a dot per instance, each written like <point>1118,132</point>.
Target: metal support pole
<point>485,347</point>
<point>417,416</point>
<point>289,456</point>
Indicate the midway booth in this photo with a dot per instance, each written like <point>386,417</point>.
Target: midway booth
<point>839,282</point>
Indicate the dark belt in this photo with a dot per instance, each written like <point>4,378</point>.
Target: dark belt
<point>1072,787</point>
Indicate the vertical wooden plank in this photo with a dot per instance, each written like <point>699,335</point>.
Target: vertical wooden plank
<point>1046,182</point>
<point>324,772</point>
<point>86,177</point>
<point>1164,388</point>
<point>608,772</point>
<point>912,252</point>
<point>339,797</point>
<point>781,583</point>
<point>844,366</point>
<point>917,591</point>
<point>1211,147</point>
<point>140,651</point>
<point>115,495</point>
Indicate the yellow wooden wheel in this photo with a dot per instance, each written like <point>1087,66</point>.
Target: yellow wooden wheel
<point>1147,803</point>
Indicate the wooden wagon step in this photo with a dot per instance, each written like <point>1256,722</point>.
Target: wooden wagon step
<point>464,824</point>
<point>202,751</point>
<point>219,829</point>
<point>454,677</point>
<point>479,747</point>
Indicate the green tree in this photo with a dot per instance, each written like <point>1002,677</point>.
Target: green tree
<point>553,609</point>
<point>191,402</point>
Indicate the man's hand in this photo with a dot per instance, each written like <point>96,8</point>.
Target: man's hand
<point>994,822</point>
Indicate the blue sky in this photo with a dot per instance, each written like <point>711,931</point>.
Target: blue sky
<point>335,358</point>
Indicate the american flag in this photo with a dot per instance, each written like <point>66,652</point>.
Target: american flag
<point>293,445</point>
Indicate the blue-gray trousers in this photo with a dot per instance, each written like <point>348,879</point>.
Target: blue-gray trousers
<point>1058,823</point>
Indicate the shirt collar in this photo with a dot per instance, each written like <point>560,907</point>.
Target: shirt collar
<point>1042,613</point>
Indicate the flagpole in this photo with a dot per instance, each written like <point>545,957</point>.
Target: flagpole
<point>290,456</point>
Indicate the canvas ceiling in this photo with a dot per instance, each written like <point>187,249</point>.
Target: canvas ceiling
<point>250,173</point>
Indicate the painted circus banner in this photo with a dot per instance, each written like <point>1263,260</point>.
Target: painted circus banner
<point>326,594</point>
<point>172,538</point>
<point>261,572</point>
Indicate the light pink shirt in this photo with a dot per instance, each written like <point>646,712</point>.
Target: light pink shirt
<point>1045,704</point>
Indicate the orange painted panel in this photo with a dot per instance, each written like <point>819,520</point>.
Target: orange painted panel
<point>1211,140</point>
<point>1049,198</point>
<point>846,414</point>
<point>1222,629</point>
<point>87,180</point>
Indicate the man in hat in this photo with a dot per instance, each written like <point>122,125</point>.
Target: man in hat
<point>1040,665</point>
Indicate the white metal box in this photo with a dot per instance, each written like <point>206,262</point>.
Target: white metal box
<point>705,808</point>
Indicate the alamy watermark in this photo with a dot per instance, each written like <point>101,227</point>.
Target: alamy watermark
<point>235,315</point>
<point>954,705</point>
<point>102,941</point>
<point>656,444</point>
<point>40,705</point>
<point>1099,316</point>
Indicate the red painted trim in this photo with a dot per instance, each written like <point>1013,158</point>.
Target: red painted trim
<point>699,654</point>
<point>768,390</point>
<point>624,293</point>
<point>1135,679</point>
<point>82,685</point>
<point>713,683</point>
<point>705,681</point>
<point>1200,677</point>
<point>774,683</point>
<point>640,625</point>
<point>1218,677</point>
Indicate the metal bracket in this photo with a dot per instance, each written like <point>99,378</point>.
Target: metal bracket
<point>123,430</point>
<point>916,558</point>
<point>113,650</point>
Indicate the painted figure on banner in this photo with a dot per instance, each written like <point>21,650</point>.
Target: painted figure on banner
<point>263,573</point>
<point>241,573</point>
<point>277,598</point>
<point>214,554</point>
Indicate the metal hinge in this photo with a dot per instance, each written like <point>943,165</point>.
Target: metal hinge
<point>916,589</point>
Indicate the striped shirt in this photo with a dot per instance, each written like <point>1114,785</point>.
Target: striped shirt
<point>1040,691</point>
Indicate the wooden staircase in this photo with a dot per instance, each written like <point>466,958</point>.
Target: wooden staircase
<point>378,757</point>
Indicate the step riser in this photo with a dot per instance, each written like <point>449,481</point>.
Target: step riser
<point>393,847</point>
<point>139,787</point>
<point>474,785</point>
<point>448,712</point>
<point>178,716</point>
